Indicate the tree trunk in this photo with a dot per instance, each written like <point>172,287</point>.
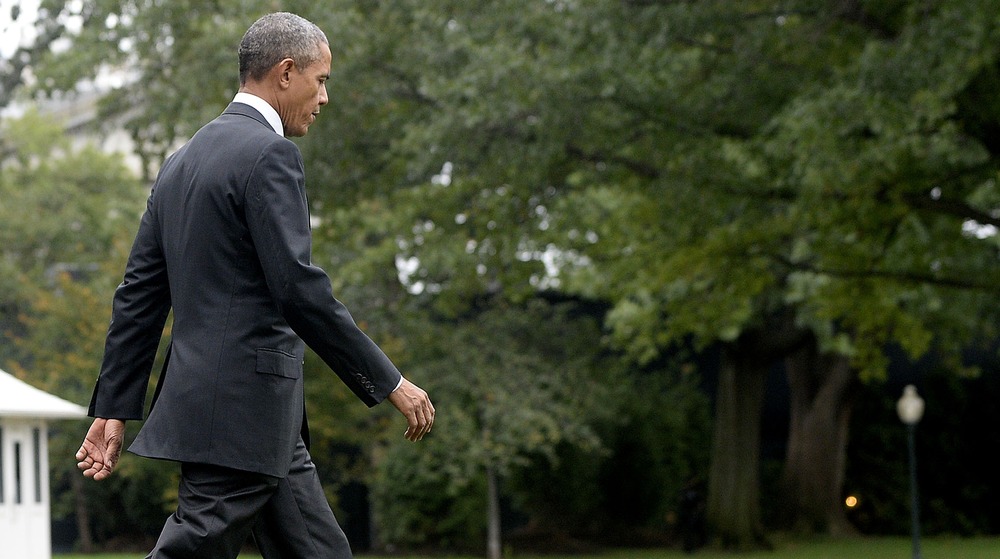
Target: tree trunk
<point>813,477</point>
<point>82,513</point>
<point>733,508</point>
<point>493,515</point>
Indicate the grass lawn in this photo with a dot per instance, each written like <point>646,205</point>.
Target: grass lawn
<point>874,548</point>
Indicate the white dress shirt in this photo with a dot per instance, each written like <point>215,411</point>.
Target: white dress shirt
<point>264,108</point>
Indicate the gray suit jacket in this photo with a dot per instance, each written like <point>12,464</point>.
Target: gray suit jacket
<point>225,241</point>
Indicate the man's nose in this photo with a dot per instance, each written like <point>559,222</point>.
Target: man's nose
<point>323,98</point>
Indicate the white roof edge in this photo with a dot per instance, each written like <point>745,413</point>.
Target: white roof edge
<point>20,399</point>
<point>14,414</point>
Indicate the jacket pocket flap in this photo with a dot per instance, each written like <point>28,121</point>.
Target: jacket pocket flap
<point>275,362</point>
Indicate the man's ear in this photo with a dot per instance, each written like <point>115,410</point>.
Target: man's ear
<point>284,71</point>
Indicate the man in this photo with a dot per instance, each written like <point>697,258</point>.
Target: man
<point>225,242</point>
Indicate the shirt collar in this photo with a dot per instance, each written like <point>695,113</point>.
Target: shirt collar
<point>264,108</point>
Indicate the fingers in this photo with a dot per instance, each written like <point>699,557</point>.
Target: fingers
<point>416,406</point>
<point>427,410</point>
<point>422,418</point>
<point>92,466</point>
<point>97,469</point>
<point>101,448</point>
<point>418,426</point>
<point>101,474</point>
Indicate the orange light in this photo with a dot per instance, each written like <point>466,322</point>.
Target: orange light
<point>851,501</point>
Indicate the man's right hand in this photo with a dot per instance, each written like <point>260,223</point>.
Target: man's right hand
<point>100,450</point>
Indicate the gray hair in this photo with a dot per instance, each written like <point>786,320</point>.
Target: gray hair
<point>275,37</point>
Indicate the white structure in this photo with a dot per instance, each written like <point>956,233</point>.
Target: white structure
<point>25,531</point>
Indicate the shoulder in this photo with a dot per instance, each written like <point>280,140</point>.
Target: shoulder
<point>277,168</point>
<point>278,149</point>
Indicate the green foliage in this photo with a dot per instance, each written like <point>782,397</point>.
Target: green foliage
<point>65,214</point>
<point>699,175</point>
<point>886,187</point>
<point>516,387</point>
<point>61,205</point>
<point>657,445</point>
<point>134,503</point>
<point>698,166</point>
<point>419,505</point>
<point>66,220</point>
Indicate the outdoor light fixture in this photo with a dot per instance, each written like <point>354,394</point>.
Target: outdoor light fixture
<point>910,408</point>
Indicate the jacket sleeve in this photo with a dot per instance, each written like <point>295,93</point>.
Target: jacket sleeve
<point>278,219</point>
<point>140,307</point>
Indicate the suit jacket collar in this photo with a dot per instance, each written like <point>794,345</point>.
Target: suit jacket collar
<point>243,109</point>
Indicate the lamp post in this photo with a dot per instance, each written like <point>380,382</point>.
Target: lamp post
<point>910,408</point>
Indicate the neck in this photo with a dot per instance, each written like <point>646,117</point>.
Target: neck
<point>260,90</point>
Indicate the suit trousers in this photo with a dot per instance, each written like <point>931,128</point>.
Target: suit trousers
<point>218,508</point>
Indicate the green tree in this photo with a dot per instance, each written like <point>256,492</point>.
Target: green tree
<point>837,226</point>
<point>48,28</point>
<point>753,175</point>
<point>893,181</point>
<point>646,487</point>
<point>66,218</point>
<point>584,147</point>
<point>515,385</point>
<point>798,181</point>
<point>62,209</point>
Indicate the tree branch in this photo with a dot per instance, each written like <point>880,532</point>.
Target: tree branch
<point>409,89</point>
<point>947,206</point>
<point>640,168</point>
<point>900,276</point>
